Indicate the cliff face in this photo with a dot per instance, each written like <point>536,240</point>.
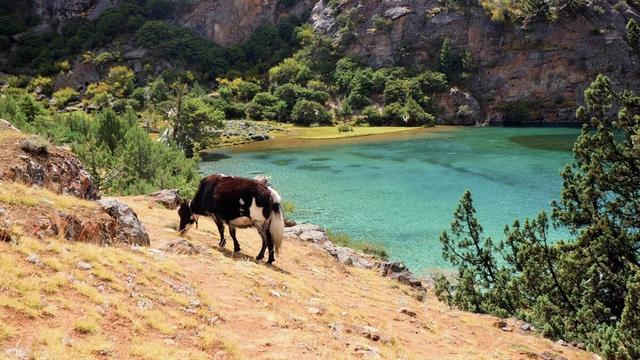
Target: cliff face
<point>60,9</point>
<point>232,22</point>
<point>222,21</point>
<point>543,67</point>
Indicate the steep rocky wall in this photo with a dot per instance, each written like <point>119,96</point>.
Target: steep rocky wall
<point>232,22</point>
<point>225,22</point>
<point>59,9</point>
<point>544,66</point>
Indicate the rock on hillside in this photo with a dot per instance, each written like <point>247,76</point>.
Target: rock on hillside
<point>39,213</point>
<point>541,69</point>
<point>45,192</point>
<point>54,168</point>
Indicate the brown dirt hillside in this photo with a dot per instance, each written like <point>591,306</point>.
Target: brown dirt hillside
<point>61,300</point>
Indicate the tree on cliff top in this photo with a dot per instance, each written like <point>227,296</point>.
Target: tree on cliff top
<point>584,288</point>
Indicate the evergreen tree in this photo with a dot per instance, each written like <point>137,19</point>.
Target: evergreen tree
<point>583,288</point>
<point>633,33</point>
<point>447,58</point>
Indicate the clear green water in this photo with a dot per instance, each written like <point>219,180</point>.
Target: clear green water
<point>403,193</point>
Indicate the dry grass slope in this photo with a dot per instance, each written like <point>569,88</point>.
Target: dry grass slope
<point>148,304</point>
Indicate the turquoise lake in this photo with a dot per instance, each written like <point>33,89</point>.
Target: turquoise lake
<point>403,193</point>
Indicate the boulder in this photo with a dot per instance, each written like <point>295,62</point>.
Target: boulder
<point>347,256</point>
<point>398,271</point>
<point>370,332</point>
<point>57,169</point>
<point>460,108</point>
<point>182,247</point>
<point>129,229</point>
<point>170,199</point>
<point>5,125</point>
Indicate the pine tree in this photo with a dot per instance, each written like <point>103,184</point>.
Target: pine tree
<point>586,287</point>
<point>448,58</point>
<point>633,33</point>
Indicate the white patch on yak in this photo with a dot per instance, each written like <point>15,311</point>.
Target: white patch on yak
<point>255,212</point>
<point>275,196</point>
<point>241,202</point>
<point>241,222</point>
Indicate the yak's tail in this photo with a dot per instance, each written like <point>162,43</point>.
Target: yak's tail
<point>276,221</point>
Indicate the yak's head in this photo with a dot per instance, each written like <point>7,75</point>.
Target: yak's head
<point>187,217</point>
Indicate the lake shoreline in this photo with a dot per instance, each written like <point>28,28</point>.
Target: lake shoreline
<point>291,140</point>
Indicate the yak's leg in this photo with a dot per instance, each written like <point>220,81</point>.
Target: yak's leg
<point>220,225</point>
<point>270,245</point>
<point>236,244</point>
<point>263,235</point>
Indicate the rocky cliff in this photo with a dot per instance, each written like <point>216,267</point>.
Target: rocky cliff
<point>232,22</point>
<point>222,21</point>
<point>532,73</point>
<point>541,68</point>
<point>60,9</point>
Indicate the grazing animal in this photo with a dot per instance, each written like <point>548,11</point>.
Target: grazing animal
<point>240,203</point>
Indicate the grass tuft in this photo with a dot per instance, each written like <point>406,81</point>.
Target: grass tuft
<point>36,145</point>
<point>86,326</point>
<point>345,240</point>
<point>90,292</point>
<point>6,332</point>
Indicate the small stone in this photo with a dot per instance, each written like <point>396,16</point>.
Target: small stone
<point>34,259</point>
<point>499,324</point>
<point>562,343</point>
<point>274,293</point>
<point>169,341</point>
<point>15,353</point>
<point>182,247</point>
<point>547,355</point>
<point>408,312</point>
<point>314,310</point>
<point>525,327</point>
<point>507,329</point>
<point>581,346</point>
<point>84,265</point>
<point>370,333</point>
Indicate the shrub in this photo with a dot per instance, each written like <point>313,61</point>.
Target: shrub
<point>121,79</point>
<point>432,81</point>
<point>290,70</point>
<point>105,57</point>
<point>372,115</point>
<point>194,123</point>
<point>307,112</point>
<point>345,240</point>
<point>344,127</point>
<point>381,23</point>
<point>63,96</point>
<point>35,144</point>
<point>42,85</point>
<point>265,106</point>
<point>292,93</point>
